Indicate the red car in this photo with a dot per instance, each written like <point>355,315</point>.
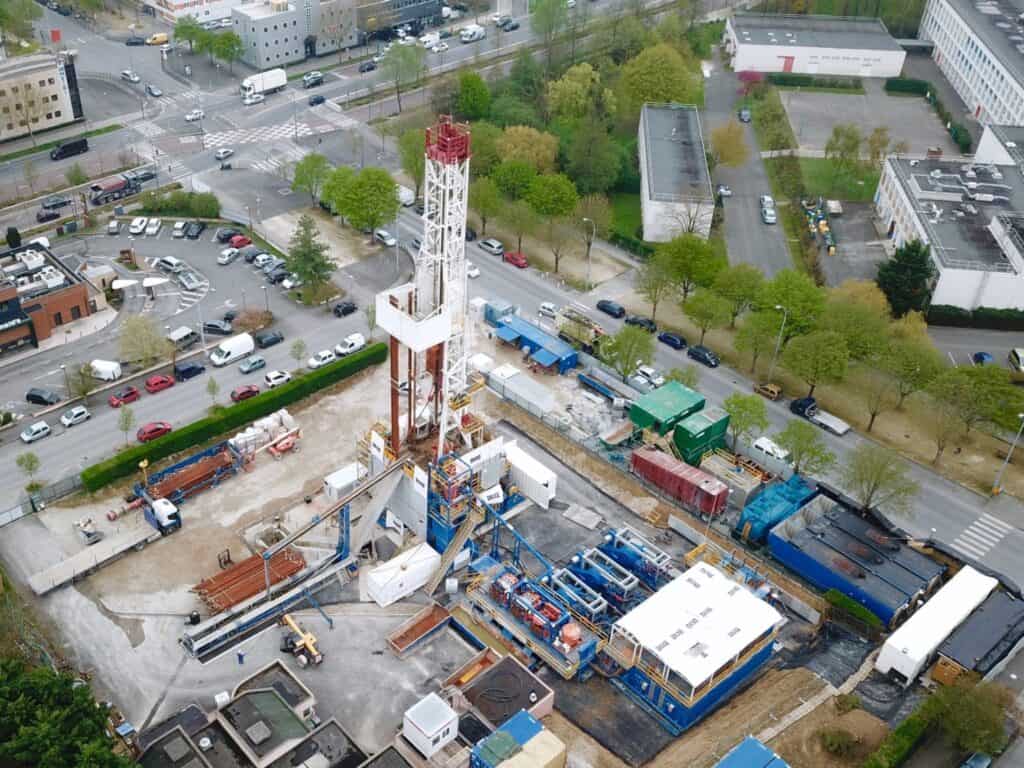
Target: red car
<point>239,241</point>
<point>244,392</point>
<point>152,431</point>
<point>158,383</point>
<point>122,396</point>
<point>516,259</point>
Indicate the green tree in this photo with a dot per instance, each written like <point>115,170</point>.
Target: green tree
<point>547,20</point>
<point>729,144</point>
<point>627,349</point>
<point>16,17</point>
<point>310,175</point>
<point>206,42</point>
<point>972,714</point>
<point>981,394</point>
<point>485,199</point>
<point>659,74</point>
<point>913,365</point>
<point>307,255</point>
<point>593,159</point>
<point>941,420</point>
<point>655,280</point>
<point>126,420</point>
<point>485,148</point>
<point>688,376</point>
<point>740,285</point>
<point>526,77</point>
<point>817,358</point>
<point>801,298</point>
<point>623,38</point>
<point>552,195</point>
<point>521,219</point>
<point>748,415</point>
<point>75,175</point>
<point>509,109</point>
<point>758,335</point>
<point>579,93</point>
<point>298,352</point>
<point>228,47</point>
<point>411,154</point>
<point>877,145</point>
<point>474,97</point>
<point>212,389</point>
<point>707,310</point>
<point>807,451</point>
<point>402,66</point>
<point>188,29</point>
<point>13,238</point>
<point>335,187</point>
<point>80,381</point>
<point>371,198</point>
<point>878,391</point>
<point>843,149</point>
<point>142,341</point>
<point>865,332</point>
<point>593,217</point>
<point>907,278</point>
<point>28,463</point>
<point>878,478</point>
<point>539,149</point>
<point>559,231</point>
<point>694,262</point>
<point>514,178</point>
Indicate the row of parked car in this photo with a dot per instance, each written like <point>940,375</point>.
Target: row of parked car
<point>697,352</point>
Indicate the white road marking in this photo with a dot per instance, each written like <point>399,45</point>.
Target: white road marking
<point>981,536</point>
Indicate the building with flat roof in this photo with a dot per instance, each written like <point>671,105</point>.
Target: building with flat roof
<point>983,640</point>
<point>979,46</point>
<point>675,184</point>
<point>38,92</point>
<point>970,211</point>
<point>812,45</point>
<point>203,11</point>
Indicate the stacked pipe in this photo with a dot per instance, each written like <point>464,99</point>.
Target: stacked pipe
<point>246,579</point>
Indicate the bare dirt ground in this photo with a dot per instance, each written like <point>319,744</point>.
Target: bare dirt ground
<point>801,746</point>
<point>345,246</point>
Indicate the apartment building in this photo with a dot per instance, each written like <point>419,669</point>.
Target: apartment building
<point>38,92</point>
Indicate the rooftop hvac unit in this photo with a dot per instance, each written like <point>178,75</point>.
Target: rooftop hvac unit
<point>32,259</point>
<point>278,5</point>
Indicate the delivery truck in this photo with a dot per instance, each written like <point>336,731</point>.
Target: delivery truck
<point>264,82</point>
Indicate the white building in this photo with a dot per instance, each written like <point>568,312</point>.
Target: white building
<point>812,45</point>
<point>204,10</point>
<point>430,724</point>
<point>970,211</point>
<point>676,194</point>
<point>38,92</point>
<point>979,46</point>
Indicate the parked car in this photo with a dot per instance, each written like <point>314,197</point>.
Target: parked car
<point>262,260</point>
<point>642,322</point>
<point>44,216</point>
<point>439,47</point>
<point>223,154</point>
<point>158,382</point>
<point>244,392</point>
<point>547,309</point>
<point>55,201</point>
<point>768,216</point>
<point>141,175</point>
<point>188,370</point>
<point>470,234</point>
<point>250,253</point>
<point>266,339</point>
<point>744,115</point>
<point>239,241</point>
<point>367,66</point>
<point>153,227</point>
<point>252,363</point>
<point>769,390</point>
<point>413,246</point>
<point>122,396</point>
<point>190,281</point>
<point>194,115</point>
<point>138,225</point>
<point>982,358</point>
<point>34,432</point>
<point>170,264</point>
<point>724,191</point>
<point>229,316</point>
<point>276,378</point>
<point>113,227</point>
<point>313,79</point>
<point>75,415</point>
<point>612,308</point>
<point>41,396</point>
<point>218,327</point>
<point>135,40</point>
<point>516,259</point>
<point>651,375</point>
<point>977,760</point>
<point>227,256</point>
<point>344,308</point>
<point>673,340</point>
<point>316,100</point>
<point>472,270</point>
<point>291,282</point>
<point>320,359</point>
<point>492,246</point>
<point>703,355</point>
<point>385,238</point>
<point>194,229</point>
<point>152,431</point>
<point>278,275</point>
<point>179,229</point>
<point>224,234</point>
<point>351,343</point>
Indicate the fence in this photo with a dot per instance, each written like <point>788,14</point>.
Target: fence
<point>40,498</point>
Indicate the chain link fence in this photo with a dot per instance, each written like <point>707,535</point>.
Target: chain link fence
<point>39,499</point>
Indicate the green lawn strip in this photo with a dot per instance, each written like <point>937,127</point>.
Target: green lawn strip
<point>51,144</point>
<point>821,179</point>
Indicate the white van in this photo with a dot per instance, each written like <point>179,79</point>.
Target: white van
<point>183,338</point>
<point>105,370</point>
<point>765,446</point>
<point>230,350</point>
<point>405,195</point>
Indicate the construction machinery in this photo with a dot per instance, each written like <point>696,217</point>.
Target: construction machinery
<point>300,643</point>
<point>579,330</point>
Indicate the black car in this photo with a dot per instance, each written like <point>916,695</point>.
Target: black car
<point>40,396</point>
<point>420,208</point>
<point>470,234</point>
<point>230,315</point>
<point>44,215</point>
<point>674,340</point>
<point>612,308</point>
<point>64,10</point>
<point>642,322</point>
<point>218,327</point>
<point>135,40</point>
<point>510,26</point>
<point>194,229</point>
<point>314,100</point>
<point>367,66</point>
<point>223,235</point>
<point>343,308</point>
<point>702,354</point>
<point>278,275</point>
<point>250,252</point>
<point>187,370</point>
<point>266,339</point>
<point>145,174</point>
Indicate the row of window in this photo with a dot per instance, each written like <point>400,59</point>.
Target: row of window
<point>49,116</point>
<point>18,106</point>
<point>28,86</point>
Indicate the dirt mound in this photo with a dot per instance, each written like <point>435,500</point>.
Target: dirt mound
<point>800,744</point>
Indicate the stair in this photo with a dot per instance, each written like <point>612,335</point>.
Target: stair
<point>473,518</point>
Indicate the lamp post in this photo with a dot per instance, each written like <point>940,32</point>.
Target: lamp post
<point>997,488</point>
<point>266,298</point>
<point>67,382</point>
<point>590,241</point>
<point>778,341</point>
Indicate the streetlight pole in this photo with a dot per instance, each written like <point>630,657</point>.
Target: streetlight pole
<point>778,341</point>
<point>997,487</point>
<point>590,241</point>
<point>67,382</point>
<point>266,298</point>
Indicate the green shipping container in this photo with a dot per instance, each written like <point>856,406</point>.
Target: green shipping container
<point>665,407</point>
<point>699,433</point>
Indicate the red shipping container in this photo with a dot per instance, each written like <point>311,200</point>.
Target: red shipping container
<point>696,490</point>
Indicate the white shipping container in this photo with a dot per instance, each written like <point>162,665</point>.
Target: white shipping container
<point>430,725</point>
<point>534,480</point>
<point>402,575</point>
<point>341,482</point>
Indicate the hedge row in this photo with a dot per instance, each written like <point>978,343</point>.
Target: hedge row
<point>199,205</point>
<point>907,85</point>
<point>852,607</point>
<point>794,80</point>
<point>901,742</point>
<point>634,245</point>
<point>982,317</point>
<point>238,415</point>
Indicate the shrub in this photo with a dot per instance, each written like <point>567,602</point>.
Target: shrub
<point>847,702</point>
<point>848,605</point>
<point>901,742</point>
<point>982,317</point>
<point>200,205</point>
<point>961,137</point>
<point>794,80</point>
<point>837,742</point>
<point>907,85</point>
<point>634,245</point>
<point>126,462</point>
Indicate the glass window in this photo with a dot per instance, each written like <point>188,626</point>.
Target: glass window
<point>76,312</point>
<point>57,113</point>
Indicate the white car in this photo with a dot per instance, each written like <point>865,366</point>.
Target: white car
<point>262,260</point>
<point>321,358</point>
<point>131,77</point>
<point>224,153</point>
<point>179,229</point>
<point>256,98</point>
<point>276,378</point>
<point>724,191</point>
<point>352,343</point>
<point>75,415</point>
<point>291,282</point>
<point>227,256</point>
<point>385,238</point>
<point>408,40</point>
<point>768,447</point>
<point>472,270</point>
<point>195,114</point>
<point>34,432</point>
<point>650,375</point>
<point>496,17</point>
<point>570,3</point>
<point>766,201</point>
<point>547,309</point>
<point>166,47</point>
<point>138,225</point>
<point>153,228</point>
<point>439,47</point>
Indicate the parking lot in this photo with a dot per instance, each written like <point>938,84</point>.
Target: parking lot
<point>859,248</point>
<point>908,118</point>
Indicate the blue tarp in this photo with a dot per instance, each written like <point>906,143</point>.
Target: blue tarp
<point>544,358</point>
<point>533,338</point>
<point>507,334</point>
<point>751,753</point>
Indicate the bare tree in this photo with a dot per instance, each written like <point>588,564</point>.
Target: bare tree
<point>30,172</point>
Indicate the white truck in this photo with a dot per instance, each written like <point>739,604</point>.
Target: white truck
<point>230,350</point>
<point>472,33</point>
<point>264,82</point>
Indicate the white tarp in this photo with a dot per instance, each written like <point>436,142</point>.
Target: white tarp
<point>402,575</point>
<point>534,480</point>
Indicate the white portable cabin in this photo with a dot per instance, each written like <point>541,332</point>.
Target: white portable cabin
<point>430,725</point>
<point>402,575</point>
<point>909,649</point>
<point>534,480</point>
<point>342,481</point>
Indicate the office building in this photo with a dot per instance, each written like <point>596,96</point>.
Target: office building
<point>38,92</point>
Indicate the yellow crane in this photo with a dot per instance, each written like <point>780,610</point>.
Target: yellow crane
<point>300,642</point>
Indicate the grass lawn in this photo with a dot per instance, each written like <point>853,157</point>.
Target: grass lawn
<point>820,179</point>
<point>626,217</point>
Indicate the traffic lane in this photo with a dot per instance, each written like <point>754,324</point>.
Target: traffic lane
<point>959,344</point>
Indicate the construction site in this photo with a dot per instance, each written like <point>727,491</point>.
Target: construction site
<point>489,552</point>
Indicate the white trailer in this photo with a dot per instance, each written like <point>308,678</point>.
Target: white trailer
<point>264,82</point>
<point>93,558</point>
<point>828,422</point>
<point>402,575</point>
<point>910,648</point>
<point>534,480</point>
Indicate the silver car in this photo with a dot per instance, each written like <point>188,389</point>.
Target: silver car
<point>76,415</point>
<point>190,281</point>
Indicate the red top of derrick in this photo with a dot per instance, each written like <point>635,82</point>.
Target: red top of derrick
<point>448,142</point>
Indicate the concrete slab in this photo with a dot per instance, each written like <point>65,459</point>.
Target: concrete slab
<point>860,249</point>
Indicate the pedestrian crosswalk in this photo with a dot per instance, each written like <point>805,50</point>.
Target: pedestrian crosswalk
<point>149,129</point>
<point>338,119</point>
<point>980,536</point>
<point>277,159</point>
<point>260,135</point>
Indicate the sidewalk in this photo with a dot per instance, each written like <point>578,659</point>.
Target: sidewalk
<point>66,334</point>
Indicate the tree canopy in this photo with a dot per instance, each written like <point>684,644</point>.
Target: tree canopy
<point>528,145</point>
<point>707,310</point>
<point>655,280</point>
<point>371,198</point>
<point>817,358</point>
<point>694,261</point>
<point>878,478</point>
<point>411,155</point>
<point>906,278</point>
<point>740,285</point>
<point>514,177</point>
<point>801,298</point>
<point>310,174</point>
<point>485,199</point>
<point>628,348</point>
<point>729,144</point>
<point>307,254</point>
<point>659,74</point>
<point>402,65</point>
<point>552,195</point>
<point>807,450</point>
<point>748,416</point>
<point>474,101</point>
